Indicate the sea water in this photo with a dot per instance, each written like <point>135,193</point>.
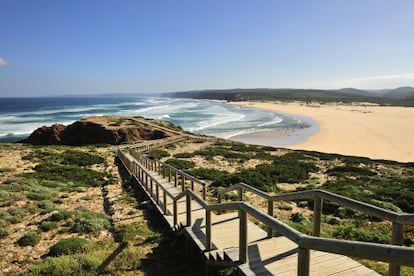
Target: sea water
<point>20,116</point>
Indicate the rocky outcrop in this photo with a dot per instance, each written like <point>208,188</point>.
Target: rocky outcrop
<point>46,135</point>
<point>112,130</point>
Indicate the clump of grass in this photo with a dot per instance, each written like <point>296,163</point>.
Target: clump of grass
<point>375,232</point>
<point>3,233</point>
<point>79,176</point>
<point>39,195</point>
<point>136,233</point>
<point>13,216</point>
<point>90,222</point>
<point>47,225</point>
<point>3,170</point>
<point>46,205</point>
<point>180,164</point>
<point>78,264</point>
<point>69,246</point>
<point>30,239</point>
<point>157,154</point>
<point>68,157</point>
<point>184,155</point>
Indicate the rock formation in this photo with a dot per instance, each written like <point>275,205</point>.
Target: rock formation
<point>113,130</point>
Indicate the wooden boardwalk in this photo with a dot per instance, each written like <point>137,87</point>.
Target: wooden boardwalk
<point>265,256</point>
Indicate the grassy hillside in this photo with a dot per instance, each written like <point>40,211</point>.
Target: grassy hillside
<point>398,97</point>
<point>71,210</point>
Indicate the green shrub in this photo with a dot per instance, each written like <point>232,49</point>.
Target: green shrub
<point>12,216</point>
<point>69,246</point>
<point>180,164</point>
<point>39,195</point>
<point>60,215</point>
<point>46,205</point>
<point>184,155</point>
<point>136,232</point>
<point>298,218</point>
<point>350,171</point>
<point>377,233</point>
<point>157,154</point>
<point>63,266</point>
<point>68,173</point>
<point>32,238</point>
<point>208,174</point>
<point>47,225</point>
<point>90,224</point>
<point>3,233</point>
<point>79,158</point>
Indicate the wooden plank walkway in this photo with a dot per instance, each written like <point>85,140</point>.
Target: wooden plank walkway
<point>274,256</point>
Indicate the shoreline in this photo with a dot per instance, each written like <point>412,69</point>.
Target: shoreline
<point>377,132</point>
<point>281,137</point>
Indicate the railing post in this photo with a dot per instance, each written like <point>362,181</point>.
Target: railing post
<point>165,203</point>
<point>240,190</point>
<point>169,174</point>
<point>182,182</point>
<point>396,239</point>
<point>175,179</point>
<point>151,188</point>
<point>317,212</point>
<point>208,230</point>
<point>175,212</point>
<point>270,213</point>
<point>303,261</point>
<point>188,205</point>
<point>204,191</point>
<point>219,201</point>
<point>192,185</point>
<point>157,192</point>
<point>242,236</point>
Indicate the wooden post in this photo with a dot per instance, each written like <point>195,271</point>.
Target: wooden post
<point>242,236</point>
<point>303,261</point>
<point>182,182</point>
<point>240,190</point>
<point>204,191</point>
<point>188,205</point>
<point>175,179</point>
<point>317,212</point>
<point>192,185</point>
<point>151,188</point>
<point>165,203</point>
<point>396,239</point>
<point>270,213</point>
<point>157,192</point>
<point>208,230</point>
<point>169,174</point>
<point>219,201</point>
<point>175,212</point>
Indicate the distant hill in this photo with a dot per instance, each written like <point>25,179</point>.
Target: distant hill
<point>402,96</point>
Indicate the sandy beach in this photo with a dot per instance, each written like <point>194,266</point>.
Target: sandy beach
<point>379,132</point>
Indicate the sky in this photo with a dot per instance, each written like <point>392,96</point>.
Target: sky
<point>69,47</point>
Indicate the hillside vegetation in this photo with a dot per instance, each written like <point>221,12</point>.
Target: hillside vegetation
<point>403,96</point>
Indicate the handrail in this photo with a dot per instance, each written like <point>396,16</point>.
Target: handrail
<point>404,218</point>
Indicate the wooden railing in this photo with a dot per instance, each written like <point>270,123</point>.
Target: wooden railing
<point>140,167</point>
<point>398,220</point>
<point>170,172</point>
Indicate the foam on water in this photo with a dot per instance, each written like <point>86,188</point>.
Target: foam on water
<point>217,119</point>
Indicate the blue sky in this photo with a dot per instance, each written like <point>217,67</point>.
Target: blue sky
<point>98,46</point>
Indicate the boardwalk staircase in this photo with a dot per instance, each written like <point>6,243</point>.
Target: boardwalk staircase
<point>227,233</point>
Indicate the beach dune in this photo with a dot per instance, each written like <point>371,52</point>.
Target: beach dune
<point>378,132</point>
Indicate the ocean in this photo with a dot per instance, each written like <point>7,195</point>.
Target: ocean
<point>20,116</point>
